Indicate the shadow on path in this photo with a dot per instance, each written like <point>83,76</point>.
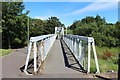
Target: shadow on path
<point>69,58</point>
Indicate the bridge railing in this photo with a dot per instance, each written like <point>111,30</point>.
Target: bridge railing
<point>78,46</point>
<point>38,48</point>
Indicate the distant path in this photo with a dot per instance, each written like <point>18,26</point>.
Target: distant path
<point>54,65</point>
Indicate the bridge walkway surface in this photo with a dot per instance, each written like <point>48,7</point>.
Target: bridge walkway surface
<point>59,63</point>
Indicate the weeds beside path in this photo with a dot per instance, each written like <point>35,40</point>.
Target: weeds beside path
<point>5,51</point>
<point>107,59</point>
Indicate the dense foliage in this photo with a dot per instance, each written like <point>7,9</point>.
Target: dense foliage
<point>105,34</point>
<point>14,25</point>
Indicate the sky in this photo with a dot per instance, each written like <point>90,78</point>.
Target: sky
<point>68,12</point>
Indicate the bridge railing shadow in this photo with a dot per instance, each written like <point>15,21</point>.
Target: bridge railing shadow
<point>69,59</point>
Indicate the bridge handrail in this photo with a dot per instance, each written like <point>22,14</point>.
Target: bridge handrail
<point>41,46</point>
<point>87,39</point>
<point>39,38</point>
<point>74,42</point>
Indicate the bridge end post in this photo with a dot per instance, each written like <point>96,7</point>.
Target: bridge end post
<point>88,57</point>
<point>95,56</point>
<point>27,59</point>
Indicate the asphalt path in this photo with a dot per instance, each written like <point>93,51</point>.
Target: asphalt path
<point>54,65</point>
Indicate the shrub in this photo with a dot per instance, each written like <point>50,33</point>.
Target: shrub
<point>107,54</point>
<point>114,60</point>
<point>93,69</point>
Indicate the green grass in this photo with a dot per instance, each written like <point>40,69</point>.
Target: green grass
<point>70,32</point>
<point>105,64</point>
<point>101,50</point>
<point>5,51</point>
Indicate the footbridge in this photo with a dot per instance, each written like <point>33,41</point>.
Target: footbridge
<point>60,53</point>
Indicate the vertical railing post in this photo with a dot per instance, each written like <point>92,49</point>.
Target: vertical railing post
<point>72,44</point>
<point>75,49</point>
<point>80,49</point>
<point>95,56</point>
<point>35,56</point>
<point>42,52</point>
<point>88,56</point>
<point>28,56</point>
<point>69,42</point>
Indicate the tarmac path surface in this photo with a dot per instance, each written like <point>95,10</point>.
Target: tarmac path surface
<point>54,66</point>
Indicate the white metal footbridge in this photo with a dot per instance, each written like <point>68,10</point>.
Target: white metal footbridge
<point>39,47</point>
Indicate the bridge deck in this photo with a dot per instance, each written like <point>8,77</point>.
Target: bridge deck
<point>58,64</point>
<point>61,63</point>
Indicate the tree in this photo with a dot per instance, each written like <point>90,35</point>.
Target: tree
<point>105,34</point>
<point>75,24</point>
<point>88,20</point>
<point>13,24</point>
<point>117,34</point>
<point>51,23</point>
<point>99,20</point>
<point>37,27</point>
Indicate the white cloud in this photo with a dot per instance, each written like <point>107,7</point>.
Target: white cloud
<point>96,6</point>
<point>41,17</point>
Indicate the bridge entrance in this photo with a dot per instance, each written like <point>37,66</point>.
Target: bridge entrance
<point>59,31</point>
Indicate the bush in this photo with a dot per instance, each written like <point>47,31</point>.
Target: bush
<point>114,60</point>
<point>93,69</point>
<point>17,40</point>
<point>107,54</point>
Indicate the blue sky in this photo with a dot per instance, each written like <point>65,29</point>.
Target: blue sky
<point>68,12</point>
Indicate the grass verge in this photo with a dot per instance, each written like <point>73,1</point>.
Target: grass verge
<point>107,59</point>
<point>5,51</point>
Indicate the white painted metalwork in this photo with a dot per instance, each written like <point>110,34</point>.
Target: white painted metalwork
<point>77,46</point>
<point>41,47</point>
<point>60,30</point>
<point>66,30</point>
